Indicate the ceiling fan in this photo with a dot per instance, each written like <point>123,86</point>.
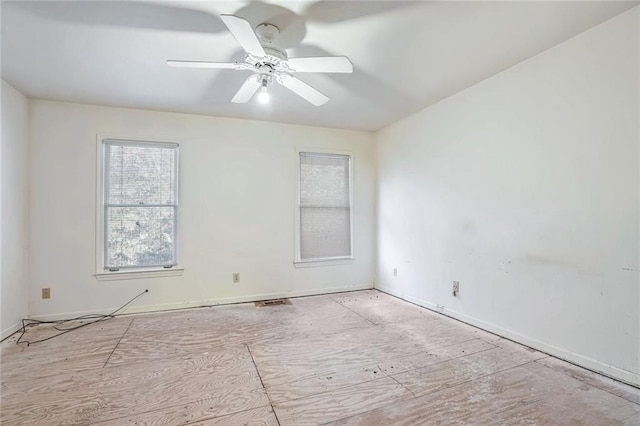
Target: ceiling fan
<point>270,63</point>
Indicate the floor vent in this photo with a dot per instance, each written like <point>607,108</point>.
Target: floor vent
<point>273,302</point>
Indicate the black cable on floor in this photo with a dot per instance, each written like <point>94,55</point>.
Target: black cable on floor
<point>95,317</point>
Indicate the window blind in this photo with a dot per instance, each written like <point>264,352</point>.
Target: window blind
<point>140,204</point>
<point>324,206</point>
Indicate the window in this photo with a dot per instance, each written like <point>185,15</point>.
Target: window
<point>324,207</point>
<point>139,204</point>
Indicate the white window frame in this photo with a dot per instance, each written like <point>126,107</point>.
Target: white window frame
<point>327,261</point>
<point>103,274</point>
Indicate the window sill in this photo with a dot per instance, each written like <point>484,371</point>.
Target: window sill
<point>323,262</point>
<point>139,273</point>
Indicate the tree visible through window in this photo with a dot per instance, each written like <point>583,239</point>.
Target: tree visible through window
<point>324,206</point>
<point>140,184</point>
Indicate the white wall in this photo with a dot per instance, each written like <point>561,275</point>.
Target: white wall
<point>13,225</point>
<point>237,209</point>
<point>525,189</point>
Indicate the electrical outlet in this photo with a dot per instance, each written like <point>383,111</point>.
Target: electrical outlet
<point>236,277</point>
<point>46,293</point>
<point>456,288</point>
<point>395,272</point>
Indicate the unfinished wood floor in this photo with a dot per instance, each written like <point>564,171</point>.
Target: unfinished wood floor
<point>359,358</point>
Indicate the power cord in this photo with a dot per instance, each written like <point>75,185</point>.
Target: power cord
<point>95,317</point>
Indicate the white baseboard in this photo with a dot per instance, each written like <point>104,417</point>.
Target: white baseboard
<point>572,357</point>
<point>135,309</point>
<point>10,330</point>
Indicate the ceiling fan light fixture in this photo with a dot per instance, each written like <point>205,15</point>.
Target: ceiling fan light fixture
<point>263,95</point>
<point>270,63</point>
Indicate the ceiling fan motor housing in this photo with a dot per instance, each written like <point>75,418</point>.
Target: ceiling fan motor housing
<point>275,52</point>
<point>267,33</point>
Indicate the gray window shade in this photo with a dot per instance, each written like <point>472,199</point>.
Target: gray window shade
<point>140,204</point>
<point>325,209</point>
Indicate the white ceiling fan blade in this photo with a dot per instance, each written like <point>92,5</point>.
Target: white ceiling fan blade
<point>340,64</point>
<point>242,31</point>
<point>203,64</point>
<point>246,91</point>
<point>303,90</point>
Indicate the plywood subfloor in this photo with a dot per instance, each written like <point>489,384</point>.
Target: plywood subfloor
<point>360,358</point>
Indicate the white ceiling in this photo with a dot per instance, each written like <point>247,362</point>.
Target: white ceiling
<point>406,55</point>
